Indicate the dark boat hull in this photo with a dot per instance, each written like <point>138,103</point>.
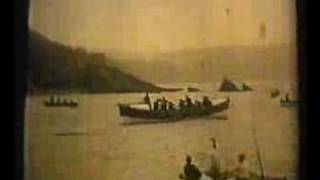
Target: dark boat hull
<point>286,103</point>
<point>191,89</point>
<point>73,104</point>
<point>127,111</point>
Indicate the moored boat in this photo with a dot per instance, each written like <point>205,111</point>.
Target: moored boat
<point>133,111</point>
<point>62,104</point>
<point>56,102</point>
<point>287,102</point>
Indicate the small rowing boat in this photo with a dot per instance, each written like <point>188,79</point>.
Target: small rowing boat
<point>287,102</point>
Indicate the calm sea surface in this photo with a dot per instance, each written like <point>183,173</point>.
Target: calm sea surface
<point>100,147</point>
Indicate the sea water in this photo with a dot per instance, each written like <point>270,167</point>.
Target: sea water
<point>91,142</point>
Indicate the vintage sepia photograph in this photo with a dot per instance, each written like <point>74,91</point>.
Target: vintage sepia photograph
<point>162,90</point>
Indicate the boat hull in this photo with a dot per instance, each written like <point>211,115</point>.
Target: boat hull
<point>72,105</point>
<point>285,103</point>
<point>172,115</point>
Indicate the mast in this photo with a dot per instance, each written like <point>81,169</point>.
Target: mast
<point>262,35</point>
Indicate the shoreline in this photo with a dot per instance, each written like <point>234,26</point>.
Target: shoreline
<point>68,92</point>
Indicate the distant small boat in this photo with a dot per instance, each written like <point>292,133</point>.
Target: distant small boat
<point>61,104</point>
<point>274,93</point>
<point>64,103</point>
<point>126,110</point>
<point>287,102</point>
<point>192,89</point>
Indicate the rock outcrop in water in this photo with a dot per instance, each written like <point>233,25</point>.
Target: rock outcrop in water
<point>56,67</point>
<point>232,86</point>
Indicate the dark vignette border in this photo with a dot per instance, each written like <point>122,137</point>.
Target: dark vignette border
<point>302,85</point>
<point>21,10</point>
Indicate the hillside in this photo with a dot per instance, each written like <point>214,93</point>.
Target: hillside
<point>55,67</point>
<point>271,62</point>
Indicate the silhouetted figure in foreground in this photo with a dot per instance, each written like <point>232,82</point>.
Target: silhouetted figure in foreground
<point>214,170</point>
<point>191,172</point>
<point>242,169</point>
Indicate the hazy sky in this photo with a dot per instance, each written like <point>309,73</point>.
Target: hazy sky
<point>152,25</point>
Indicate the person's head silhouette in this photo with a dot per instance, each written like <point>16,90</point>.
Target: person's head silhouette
<point>188,159</point>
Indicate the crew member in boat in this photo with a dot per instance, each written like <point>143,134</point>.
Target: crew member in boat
<point>242,169</point>
<point>171,106</point>
<point>181,104</point>
<point>287,97</point>
<point>156,105</point>
<point>58,100</point>
<point>65,102</point>
<point>188,101</point>
<point>228,99</point>
<point>206,102</point>
<point>197,103</point>
<point>147,100</point>
<point>164,104</point>
<point>73,102</point>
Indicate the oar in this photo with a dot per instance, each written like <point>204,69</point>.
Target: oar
<point>258,153</point>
